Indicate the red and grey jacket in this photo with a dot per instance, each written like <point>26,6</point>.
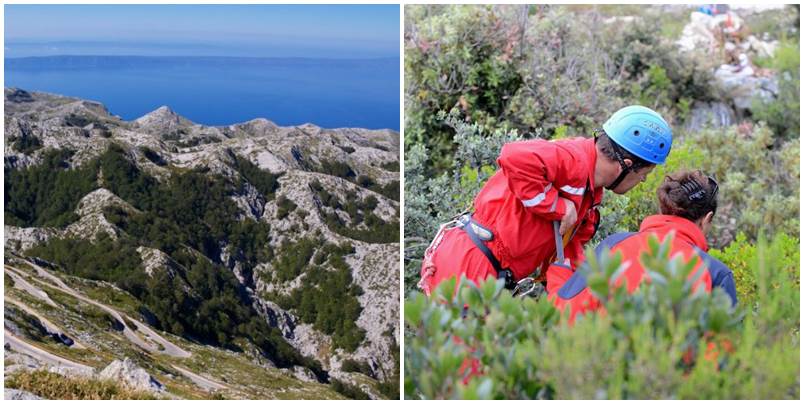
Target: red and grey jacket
<point>520,202</point>
<point>568,289</point>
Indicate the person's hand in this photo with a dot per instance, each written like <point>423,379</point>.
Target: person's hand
<point>428,270</point>
<point>570,216</point>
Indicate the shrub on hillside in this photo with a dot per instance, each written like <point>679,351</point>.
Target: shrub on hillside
<point>663,341</point>
<point>742,257</point>
<point>54,386</point>
<point>26,144</point>
<point>538,68</point>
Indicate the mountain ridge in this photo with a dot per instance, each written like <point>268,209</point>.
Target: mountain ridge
<point>270,176</point>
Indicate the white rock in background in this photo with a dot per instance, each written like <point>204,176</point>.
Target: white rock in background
<point>696,34</point>
<point>23,238</point>
<point>14,394</point>
<point>712,114</point>
<point>763,49</point>
<point>97,200</point>
<point>128,372</point>
<point>304,374</point>
<point>742,88</point>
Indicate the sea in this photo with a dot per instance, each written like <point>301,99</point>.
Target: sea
<point>219,91</point>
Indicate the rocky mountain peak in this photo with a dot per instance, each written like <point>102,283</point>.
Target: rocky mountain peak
<point>162,118</point>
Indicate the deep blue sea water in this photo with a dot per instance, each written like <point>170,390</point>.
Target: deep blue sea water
<point>330,93</point>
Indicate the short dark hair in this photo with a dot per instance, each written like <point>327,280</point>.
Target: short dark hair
<point>688,194</point>
<point>610,149</point>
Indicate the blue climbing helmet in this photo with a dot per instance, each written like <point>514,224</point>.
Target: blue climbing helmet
<point>641,131</point>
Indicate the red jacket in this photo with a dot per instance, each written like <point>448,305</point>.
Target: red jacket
<point>518,204</point>
<point>568,289</point>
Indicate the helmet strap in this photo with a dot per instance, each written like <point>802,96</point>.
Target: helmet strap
<point>619,179</point>
<point>625,167</point>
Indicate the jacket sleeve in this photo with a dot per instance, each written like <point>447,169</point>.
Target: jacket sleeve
<point>722,277</point>
<point>532,169</point>
<point>726,281</point>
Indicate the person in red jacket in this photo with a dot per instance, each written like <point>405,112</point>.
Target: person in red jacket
<point>510,233</point>
<point>687,202</point>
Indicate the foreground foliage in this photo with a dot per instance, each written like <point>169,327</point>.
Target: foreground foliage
<point>53,386</point>
<point>664,341</point>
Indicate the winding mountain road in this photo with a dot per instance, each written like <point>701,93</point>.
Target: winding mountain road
<point>23,285</point>
<point>43,356</point>
<point>19,345</point>
<point>201,381</point>
<point>50,327</point>
<point>169,348</point>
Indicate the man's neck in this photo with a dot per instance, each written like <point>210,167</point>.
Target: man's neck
<point>605,170</point>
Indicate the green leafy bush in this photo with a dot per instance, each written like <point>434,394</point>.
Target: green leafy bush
<point>391,166</point>
<point>349,390</point>
<point>336,168</point>
<point>741,256</point>
<point>294,258</point>
<point>663,341</point>
<point>106,260</point>
<point>454,56</point>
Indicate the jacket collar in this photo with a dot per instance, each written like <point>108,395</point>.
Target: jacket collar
<point>684,229</point>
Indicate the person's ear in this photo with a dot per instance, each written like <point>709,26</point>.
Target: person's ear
<point>708,218</point>
<point>628,162</point>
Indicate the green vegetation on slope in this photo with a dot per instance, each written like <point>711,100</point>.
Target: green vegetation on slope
<point>265,181</point>
<point>191,209</point>
<point>360,211</point>
<point>327,280</point>
<point>47,194</point>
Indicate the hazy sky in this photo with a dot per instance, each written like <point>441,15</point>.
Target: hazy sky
<point>328,31</point>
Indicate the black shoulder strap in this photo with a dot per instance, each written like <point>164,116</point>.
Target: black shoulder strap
<point>501,273</point>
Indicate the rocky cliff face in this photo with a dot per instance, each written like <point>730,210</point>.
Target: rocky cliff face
<point>163,144</point>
